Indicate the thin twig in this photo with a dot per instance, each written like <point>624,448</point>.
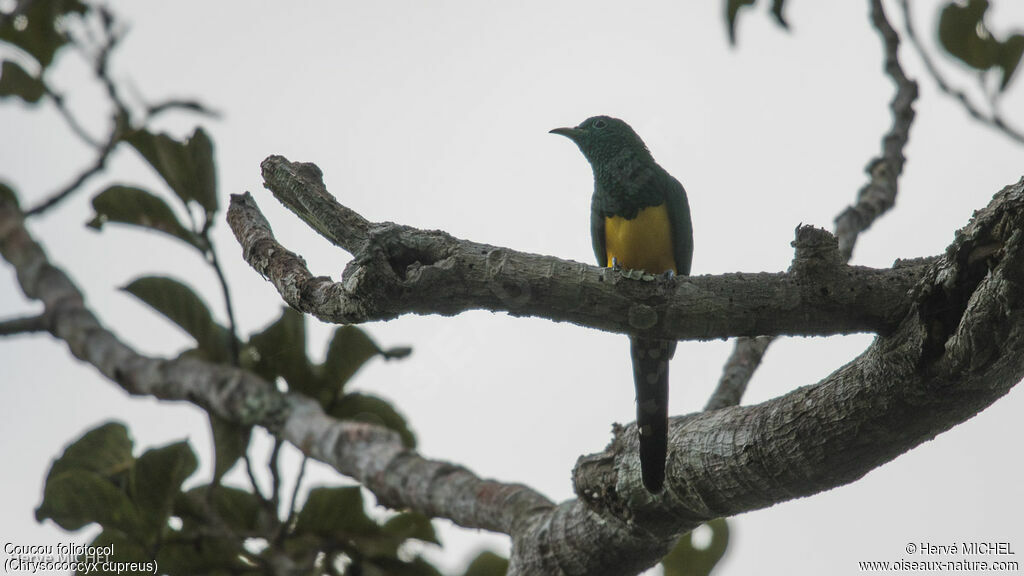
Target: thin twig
<point>73,123</point>
<point>76,184</point>
<point>229,307</point>
<point>102,68</point>
<point>874,199</point>
<point>120,124</point>
<point>252,478</point>
<point>195,106</point>
<point>23,325</point>
<point>292,509</point>
<point>993,120</point>
<point>275,473</point>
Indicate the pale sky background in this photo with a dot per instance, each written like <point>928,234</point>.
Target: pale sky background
<point>435,114</point>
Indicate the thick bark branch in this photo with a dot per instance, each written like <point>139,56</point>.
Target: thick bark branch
<point>399,270</point>
<point>959,349</point>
<point>373,455</point>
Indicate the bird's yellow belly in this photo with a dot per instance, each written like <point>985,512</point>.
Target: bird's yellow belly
<point>642,243</point>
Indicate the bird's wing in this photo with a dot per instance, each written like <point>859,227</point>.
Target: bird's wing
<point>597,232</point>
<point>682,228</point>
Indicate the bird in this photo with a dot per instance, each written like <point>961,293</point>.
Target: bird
<point>639,220</point>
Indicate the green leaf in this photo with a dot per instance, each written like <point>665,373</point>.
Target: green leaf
<point>348,350</point>
<point>962,34</point>
<point>396,531</point>
<point>1009,58</point>
<point>187,167</point>
<point>687,560</point>
<point>179,304</point>
<point>105,450</point>
<point>86,484</point>
<point>74,498</point>
<point>396,352</point>
<point>373,410</point>
<point>281,351</point>
<point>732,8</point>
<point>35,30</point>
<point>230,442</point>
<point>187,554</point>
<point>15,81</point>
<point>125,550</point>
<point>303,550</point>
<point>7,194</point>
<point>157,478</point>
<point>335,512</point>
<point>408,525</point>
<point>395,567</point>
<point>487,563</point>
<point>237,508</point>
<point>128,205</point>
<point>200,149</point>
<point>777,7</point>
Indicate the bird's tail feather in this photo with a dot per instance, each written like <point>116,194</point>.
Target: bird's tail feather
<point>650,375</point>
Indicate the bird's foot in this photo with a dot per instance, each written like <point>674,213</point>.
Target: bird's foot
<point>635,274</point>
<point>626,272</point>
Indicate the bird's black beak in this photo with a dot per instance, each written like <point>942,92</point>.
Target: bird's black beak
<point>570,133</point>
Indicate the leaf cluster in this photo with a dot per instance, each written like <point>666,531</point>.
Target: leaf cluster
<point>37,30</point>
<point>147,515</point>
<point>964,34</point>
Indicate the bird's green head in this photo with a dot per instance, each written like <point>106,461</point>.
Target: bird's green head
<point>603,139</point>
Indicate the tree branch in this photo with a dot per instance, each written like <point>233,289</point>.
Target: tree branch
<point>875,198</point>
<point>373,455</point>
<point>738,370</point>
<point>122,117</point>
<point>97,166</point>
<point>879,194</point>
<point>69,117</point>
<point>153,110</point>
<point>959,349</point>
<point>23,325</point>
<point>399,270</point>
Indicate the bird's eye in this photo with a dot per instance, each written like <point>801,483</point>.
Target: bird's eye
<point>599,124</point>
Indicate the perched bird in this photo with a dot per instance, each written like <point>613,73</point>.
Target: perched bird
<point>639,220</point>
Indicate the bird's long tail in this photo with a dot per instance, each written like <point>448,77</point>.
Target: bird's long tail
<point>650,375</point>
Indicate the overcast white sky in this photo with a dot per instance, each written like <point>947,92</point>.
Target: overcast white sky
<point>435,114</point>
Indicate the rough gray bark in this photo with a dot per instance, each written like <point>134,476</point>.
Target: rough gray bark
<point>739,368</point>
<point>374,455</point>
<point>959,348</point>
